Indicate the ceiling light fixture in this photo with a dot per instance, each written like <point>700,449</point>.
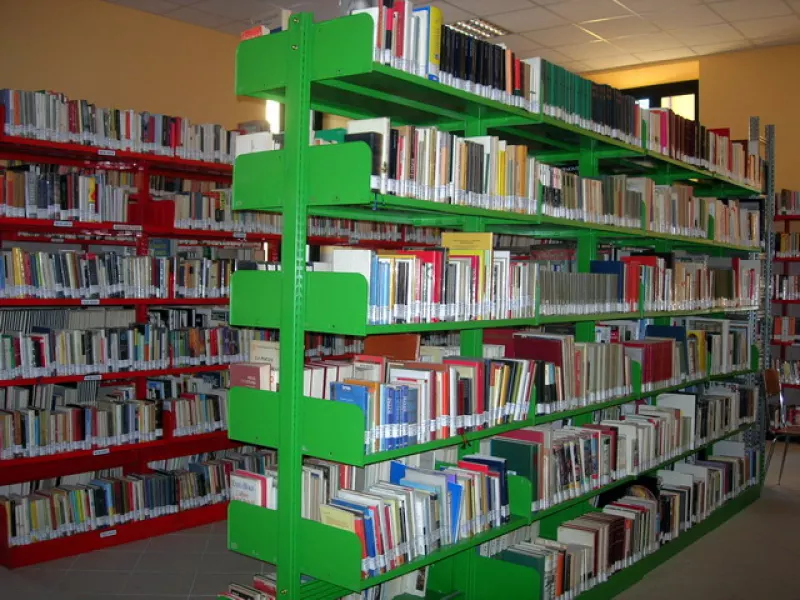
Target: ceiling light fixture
<point>479,28</point>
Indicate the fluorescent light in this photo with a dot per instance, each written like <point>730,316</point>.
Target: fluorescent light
<point>479,28</point>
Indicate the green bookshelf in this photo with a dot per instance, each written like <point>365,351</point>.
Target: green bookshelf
<point>329,67</point>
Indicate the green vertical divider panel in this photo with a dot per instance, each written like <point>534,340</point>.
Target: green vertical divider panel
<point>338,174</point>
<point>253,416</point>
<point>247,525</point>
<point>263,64</point>
<point>342,47</point>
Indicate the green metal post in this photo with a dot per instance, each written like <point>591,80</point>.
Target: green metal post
<point>588,166</point>
<point>293,265</point>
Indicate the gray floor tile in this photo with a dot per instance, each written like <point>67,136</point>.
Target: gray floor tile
<point>174,583</point>
<point>178,542</point>
<point>229,562</point>
<point>105,560</point>
<point>93,582</point>
<point>207,584</point>
<point>166,562</point>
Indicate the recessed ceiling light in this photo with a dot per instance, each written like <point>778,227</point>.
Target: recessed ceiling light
<point>479,28</point>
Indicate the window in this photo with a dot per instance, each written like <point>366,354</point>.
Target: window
<point>683,97</point>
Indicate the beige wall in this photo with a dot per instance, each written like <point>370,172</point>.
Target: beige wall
<point>118,57</point>
<point>733,87</point>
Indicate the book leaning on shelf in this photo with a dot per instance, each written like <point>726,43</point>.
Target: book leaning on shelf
<point>632,523</point>
<point>52,116</point>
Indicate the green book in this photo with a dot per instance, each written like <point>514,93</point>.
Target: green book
<point>521,457</point>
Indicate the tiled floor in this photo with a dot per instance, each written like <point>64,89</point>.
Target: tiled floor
<point>754,555</point>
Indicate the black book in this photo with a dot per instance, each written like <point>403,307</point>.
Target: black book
<point>374,141</point>
<point>394,138</point>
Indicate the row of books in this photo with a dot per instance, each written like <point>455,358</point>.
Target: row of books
<point>49,396</point>
<point>784,330</point>
<point>637,202</point>
<point>86,275</point>
<point>787,202</point>
<point>39,191</point>
<point>31,432</point>
<point>105,501</point>
<point>54,117</point>
<point>195,414</point>
<point>632,524</point>
<point>469,63</point>
<point>566,462</point>
<point>785,287</point>
<point>29,320</point>
<point>140,347</point>
<point>467,279</point>
<point>787,245</point>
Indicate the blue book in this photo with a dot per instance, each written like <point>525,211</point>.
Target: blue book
<point>373,291</point>
<point>611,267</point>
<point>402,416</point>
<point>383,291</point>
<point>369,528</point>
<point>499,465</point>
<point>357,395</point>
<point>389,408</point>
<point>412,415</point>
<point>455,490</point>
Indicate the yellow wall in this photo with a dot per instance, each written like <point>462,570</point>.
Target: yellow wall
<point>733,87</point>
<point>119,57</point>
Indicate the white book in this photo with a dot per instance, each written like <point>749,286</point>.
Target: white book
<point>382,126</point>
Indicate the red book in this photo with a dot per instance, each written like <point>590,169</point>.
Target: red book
<point>462,366</point>
<point>399,27</point>
<point>256,376</point>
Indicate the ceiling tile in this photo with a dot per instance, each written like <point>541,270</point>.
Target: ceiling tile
<point>775,41</point>
<point>598,49</point>
<point>518,44</point>
<point>240,9</point>
<point>154,6</point>
<point>453,14</point>
<point>588,10</point>
<point>773,26</point>
<point>323,9</point>
<point>646,42</point>
<point>611,28</point>
<point>710,34</point>
<point>483,8</point>
<point>612,62</point>
<point>197,17</point>
<point>676,19</point>
<point>554,56</point>
<point>724,47</point>
<point>576,66</point>
<point>739,10</point>
<point>529,19</point>
<point>560,36</point>
<point>672,54</point>
<point>654,6</point>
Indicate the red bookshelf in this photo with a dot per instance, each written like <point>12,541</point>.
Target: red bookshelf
<point>14,557</point>
<point>112,376</point>
<point>787,217</point>
<point>34,302</point>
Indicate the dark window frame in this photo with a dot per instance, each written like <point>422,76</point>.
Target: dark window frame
<point>654,93</point>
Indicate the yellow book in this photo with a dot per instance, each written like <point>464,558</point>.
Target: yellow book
<point>435,46</point>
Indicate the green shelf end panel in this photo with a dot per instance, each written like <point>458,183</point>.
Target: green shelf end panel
<point>253,416</point>
<point>518,582</point>
<point>338,174</point>
<point>343,567</point>
<point>252,531</point>
<point>335,302</point>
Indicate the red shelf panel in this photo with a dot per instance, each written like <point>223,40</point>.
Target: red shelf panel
<point>22,556</point>
<point>782,344</point>
<point>787,217</point>
<point>112,376</point>
<point>14,224</point>
<point>33,302</point>
<point>82,461</point>
<point>37,150</point>
<point>775,301</point>
<point>791,386</point>
<point>789,259</point>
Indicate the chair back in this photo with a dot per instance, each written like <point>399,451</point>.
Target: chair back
<point>773,388</point>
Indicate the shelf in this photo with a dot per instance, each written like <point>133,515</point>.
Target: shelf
<point>345,80</point>
<point>522,582</point>
<point>33,302</point>
<point>625,578</point>
<point>19,148</point>
<point>787,259</point>
<point>787,217</point>
<point>80,461</point>
<point>253,532</point>
<point>112,376</point>
<point>776,301</point>
<point>328,430</point>
<point>31,554</point>
<point>541,514</point>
